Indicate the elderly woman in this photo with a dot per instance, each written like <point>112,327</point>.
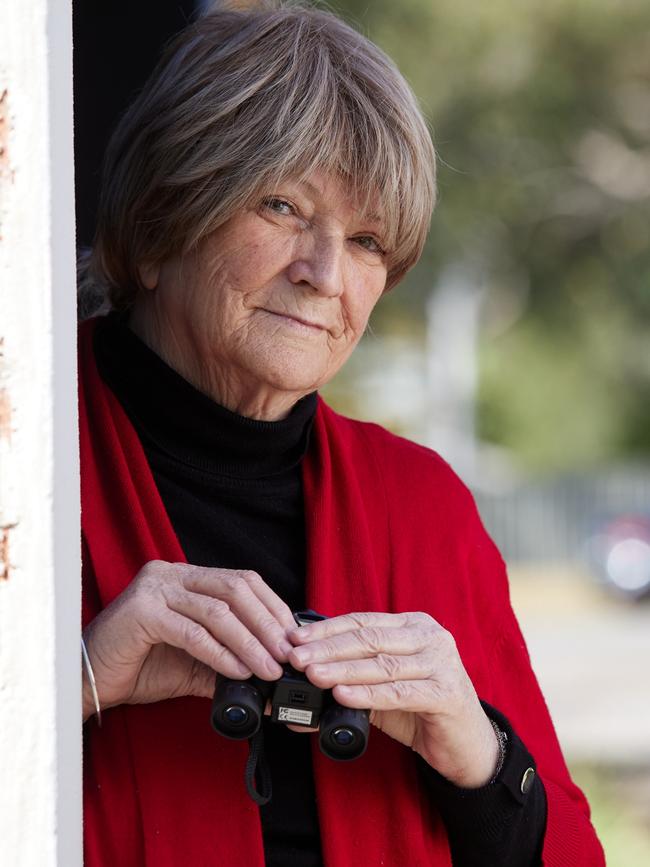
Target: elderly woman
<point>270,183</point>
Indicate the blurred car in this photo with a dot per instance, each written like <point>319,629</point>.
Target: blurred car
<point>619,555</point>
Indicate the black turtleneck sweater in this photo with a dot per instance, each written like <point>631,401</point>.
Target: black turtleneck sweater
<point>232,488</point>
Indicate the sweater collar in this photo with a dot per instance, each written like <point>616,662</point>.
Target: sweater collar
<point>172,415</point>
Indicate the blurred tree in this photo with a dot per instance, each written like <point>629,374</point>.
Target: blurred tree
<point>541,116</point>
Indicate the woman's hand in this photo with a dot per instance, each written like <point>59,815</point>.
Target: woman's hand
<point>175,625</point>
<point>406,669</point>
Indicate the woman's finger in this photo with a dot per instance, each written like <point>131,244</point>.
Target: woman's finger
<point>361,620</point>
<point>248,598</point>
<point>363,643</point>
<point>383,668</point>
<point>215,617</point>
<point>193,638</point>
<point>278,607</point>
<point>412,696</point>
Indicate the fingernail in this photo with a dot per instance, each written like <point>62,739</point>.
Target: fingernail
<point>285,647</point>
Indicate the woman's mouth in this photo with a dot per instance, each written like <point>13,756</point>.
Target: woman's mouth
<point>297,322</point>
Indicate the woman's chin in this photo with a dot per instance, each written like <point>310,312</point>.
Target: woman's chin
<point>291,374</point>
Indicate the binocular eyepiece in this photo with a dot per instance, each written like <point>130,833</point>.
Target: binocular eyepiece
<point>238,709</point>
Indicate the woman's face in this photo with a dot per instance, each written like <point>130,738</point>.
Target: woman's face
<point>272,303</point>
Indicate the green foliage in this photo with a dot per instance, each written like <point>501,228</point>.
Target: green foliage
<point>541,117</point>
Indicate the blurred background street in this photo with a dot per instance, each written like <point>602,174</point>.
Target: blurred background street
<point>591,656</point>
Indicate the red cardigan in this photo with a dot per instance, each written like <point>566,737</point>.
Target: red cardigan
<point>389,528</point>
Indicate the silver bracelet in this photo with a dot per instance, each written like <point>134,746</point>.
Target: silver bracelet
<point>502,739</point>
<point>91,680</point>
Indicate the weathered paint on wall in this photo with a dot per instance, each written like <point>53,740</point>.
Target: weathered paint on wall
<point>5,172</point>
<point>5,556</point>
<point>40,710</point>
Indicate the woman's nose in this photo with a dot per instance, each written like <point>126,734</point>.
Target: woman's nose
<point>318,261</point>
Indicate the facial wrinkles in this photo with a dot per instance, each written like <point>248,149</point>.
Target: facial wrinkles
<point>306,265</point>
<point>321,261</point>
<point>316,257</point>
<point>158,322</point>
<point>305,299</point>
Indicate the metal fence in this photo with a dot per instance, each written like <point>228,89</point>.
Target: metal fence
<point>553,519</point>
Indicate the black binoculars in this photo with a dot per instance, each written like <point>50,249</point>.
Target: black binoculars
<point>238,708</point>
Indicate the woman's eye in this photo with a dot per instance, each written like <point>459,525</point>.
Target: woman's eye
<point>369,243</point>
<point>278,206</point>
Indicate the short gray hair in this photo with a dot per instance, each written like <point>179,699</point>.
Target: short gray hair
<point>248,94</point>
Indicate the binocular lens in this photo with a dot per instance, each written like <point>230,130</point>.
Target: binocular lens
<point>342,737</point>
<point>235,715</point>
<point>344,732</point>
<point>237,709</point>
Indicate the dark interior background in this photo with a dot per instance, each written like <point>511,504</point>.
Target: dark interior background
<point>116,45</point>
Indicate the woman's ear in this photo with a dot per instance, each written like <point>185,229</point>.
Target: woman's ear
<point>149,274</point>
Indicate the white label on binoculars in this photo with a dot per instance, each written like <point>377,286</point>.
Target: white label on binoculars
<point>291,714</point>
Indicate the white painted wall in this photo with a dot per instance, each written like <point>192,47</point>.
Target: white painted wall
<point>40,713</point>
